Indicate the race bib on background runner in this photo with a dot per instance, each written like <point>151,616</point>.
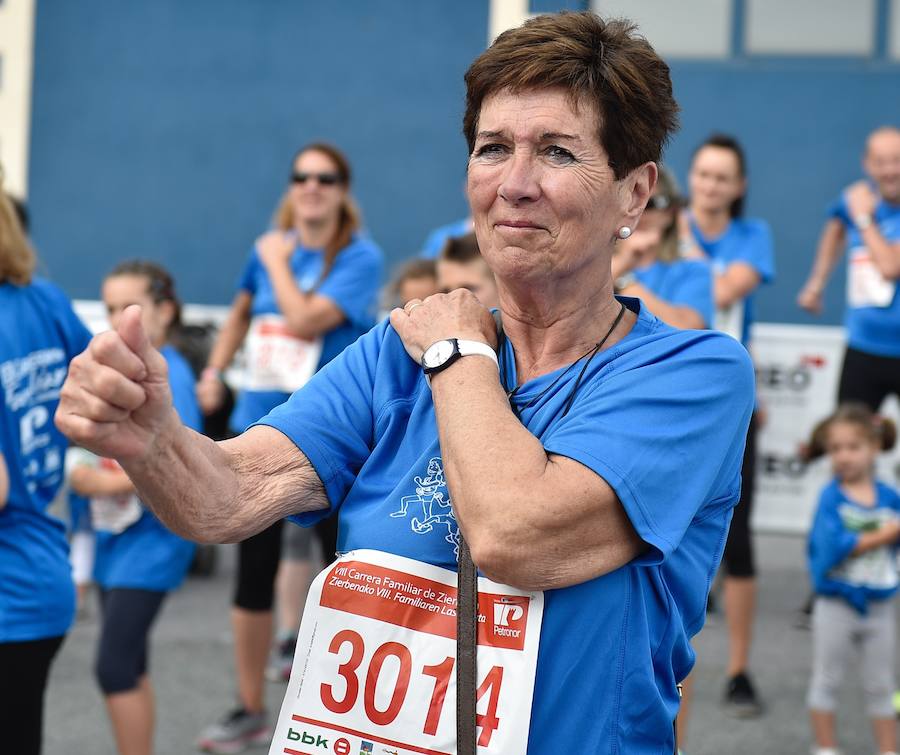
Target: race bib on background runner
<point>866,286</point>
<point>277,360</point>
<point>375,665</point>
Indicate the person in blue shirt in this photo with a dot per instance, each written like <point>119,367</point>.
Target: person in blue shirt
<point>39,335</point>
<point>137,560</point>
<point>740,251</point>
<point>866,221</point>
<point>436,240</point>
<point>647,264</point>
<point>852,562</point>
<point>589,455</point>
<point>308,290</point>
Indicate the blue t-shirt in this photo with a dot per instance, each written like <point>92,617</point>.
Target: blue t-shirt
<point>39,335</point>
<point>438,237</point>
<point>875,330</point>
<point>745,240</point>
<point>147,556</point>
<point>835,532</point>
<point>352,284</point>
<point>661,416</point>
<point>683,282</point>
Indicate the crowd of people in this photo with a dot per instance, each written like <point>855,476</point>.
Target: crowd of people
<point>618,300</point>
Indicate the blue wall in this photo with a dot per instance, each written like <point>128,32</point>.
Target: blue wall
<point>165,129</point>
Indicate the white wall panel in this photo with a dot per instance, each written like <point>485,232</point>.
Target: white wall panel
<point>810,27</point>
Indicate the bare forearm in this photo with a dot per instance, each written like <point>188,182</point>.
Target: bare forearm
<point>223,492</point>
<point>676,315</point>
<point>885,255</point>
<point>519,508</point>
<point>294,304</point>
<point>88,481</point>
<point>871,540</point>
<point>828,253</point>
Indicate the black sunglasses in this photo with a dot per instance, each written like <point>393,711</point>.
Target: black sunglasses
<point>324,179</point>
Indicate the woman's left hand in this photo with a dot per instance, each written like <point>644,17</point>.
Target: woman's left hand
<point>455,315</point>
<point>275,247</point>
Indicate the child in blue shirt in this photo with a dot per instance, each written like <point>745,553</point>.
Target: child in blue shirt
<point>852,563</point>
<point>138,561</point>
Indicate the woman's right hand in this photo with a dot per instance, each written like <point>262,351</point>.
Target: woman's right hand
<point>810,299</point>
<point>210,392</point>
<point>116,400</point>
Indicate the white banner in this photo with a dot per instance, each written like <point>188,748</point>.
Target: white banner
<point>797,372</point>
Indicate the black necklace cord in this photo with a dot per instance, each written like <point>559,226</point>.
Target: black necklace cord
<point>590,354</point>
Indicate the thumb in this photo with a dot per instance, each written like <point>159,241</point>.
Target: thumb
<point>131,331</point>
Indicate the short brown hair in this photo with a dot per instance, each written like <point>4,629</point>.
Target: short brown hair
<point>462,249</point>
<point>160,284</point>
<point>603,62</point>
<point>350,218</point>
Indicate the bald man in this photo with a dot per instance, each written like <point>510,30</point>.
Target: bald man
<point>865,220</point>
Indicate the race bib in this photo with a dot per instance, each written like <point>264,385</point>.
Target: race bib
<point>375,665</point>
<point>866,286</point>
<point>277,360</point>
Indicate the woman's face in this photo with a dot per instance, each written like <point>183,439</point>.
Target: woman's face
<point>121,291</point>
<point>715,179</point>
<point>645,241</point>
<point>316,199</point>
<point>544,199</point>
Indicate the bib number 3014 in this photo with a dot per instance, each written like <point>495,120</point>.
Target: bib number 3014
<point>375,662</point>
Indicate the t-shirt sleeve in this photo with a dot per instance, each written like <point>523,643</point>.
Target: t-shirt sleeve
<point>838,210</point>
<point>332,418</point>
<point>247,279</point>
<point>667,435</point>
<point>695,289</point>
<point>830,542</point>
<point>74,332</point>
<point>354,281</point>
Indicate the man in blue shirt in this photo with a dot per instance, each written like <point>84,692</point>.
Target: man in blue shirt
<point>866,221</point>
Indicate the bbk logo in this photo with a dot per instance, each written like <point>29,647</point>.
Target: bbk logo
<point>306,738</point>
<point>508,612</point>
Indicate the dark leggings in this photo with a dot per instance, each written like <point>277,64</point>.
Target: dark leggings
<point>868,378</point>
<point>122,651</point>
<point>738,556</point>
<point>258,558</point>
<point>24,667</point>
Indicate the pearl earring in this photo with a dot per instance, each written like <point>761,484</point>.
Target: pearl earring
<point>624,232</point>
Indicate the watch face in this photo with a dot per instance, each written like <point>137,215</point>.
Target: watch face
<point>437,354</point>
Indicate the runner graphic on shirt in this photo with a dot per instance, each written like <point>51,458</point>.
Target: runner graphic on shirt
<point>434,500</point>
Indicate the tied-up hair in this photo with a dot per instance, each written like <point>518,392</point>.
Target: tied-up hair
<point>17,258</point>
<point>725,141</point>
<point>160,285</point>
<point>349,215</point>
<point>881,430</point>
<point>602,63</point>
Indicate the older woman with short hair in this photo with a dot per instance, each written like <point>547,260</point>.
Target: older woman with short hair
<point>587,453</point>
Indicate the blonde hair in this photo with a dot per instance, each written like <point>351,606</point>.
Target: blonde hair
<point>17,258</point>
<point>667,189</point>
<point>349,216</point>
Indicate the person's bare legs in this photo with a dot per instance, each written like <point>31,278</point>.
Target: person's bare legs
<point>291,586</point>
<point>132,716</point>
<point>684,711</point>
<point>740,609</point>
<point>252,636</point>
<point>885,730</point>
<point>823,728</point>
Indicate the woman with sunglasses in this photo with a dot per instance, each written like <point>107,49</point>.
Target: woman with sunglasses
<point>308,290</point>
<point>646,264</point>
